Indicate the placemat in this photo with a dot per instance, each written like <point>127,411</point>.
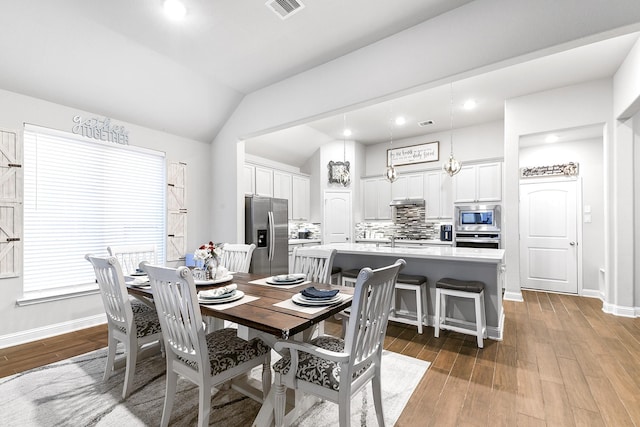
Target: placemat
<point>264,282</point>
<point>309,310</point>
<point>245,299</point>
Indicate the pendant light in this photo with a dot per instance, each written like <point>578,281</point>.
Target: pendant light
<point>451,166</point>
<point>391,174</point>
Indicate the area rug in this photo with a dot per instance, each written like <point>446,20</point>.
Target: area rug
<point>72,393</point>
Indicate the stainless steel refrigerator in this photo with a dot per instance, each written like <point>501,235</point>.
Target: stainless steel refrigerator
<point>267,226</point>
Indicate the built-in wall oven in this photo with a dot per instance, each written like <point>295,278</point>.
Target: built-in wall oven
<point>477,226</point>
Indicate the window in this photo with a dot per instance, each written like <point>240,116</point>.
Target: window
<point>80,196</point>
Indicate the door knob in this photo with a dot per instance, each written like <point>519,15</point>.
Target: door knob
<point>572,243</point>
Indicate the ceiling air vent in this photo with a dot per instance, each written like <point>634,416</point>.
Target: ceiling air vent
<point>425,123</point>
<point>284,8</point>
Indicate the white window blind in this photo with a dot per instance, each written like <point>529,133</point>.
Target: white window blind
<point>81,196</point>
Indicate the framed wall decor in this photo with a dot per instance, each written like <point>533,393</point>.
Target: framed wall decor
<point>412,154</point>
<point>339,173</point>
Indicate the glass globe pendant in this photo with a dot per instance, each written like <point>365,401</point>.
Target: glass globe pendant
<point>392,175</point>
<point>451,166</point>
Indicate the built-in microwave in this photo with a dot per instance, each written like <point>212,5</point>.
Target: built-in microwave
<point>477,217</point>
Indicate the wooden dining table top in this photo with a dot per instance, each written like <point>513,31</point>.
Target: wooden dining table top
<point>261,314</point>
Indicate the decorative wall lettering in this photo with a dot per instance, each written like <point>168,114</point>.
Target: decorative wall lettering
<point>100,129</point>
<point>566,169</point>
<point>421,153</point>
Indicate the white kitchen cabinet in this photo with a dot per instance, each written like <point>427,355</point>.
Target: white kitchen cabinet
<point>438,195</point>
<point>282,187</point>
<point>264,181</point>
<point>376,196</point>
<point>249,179</point>
<point>478,183</point>
<point>300,202</point>
<point>408,187</point>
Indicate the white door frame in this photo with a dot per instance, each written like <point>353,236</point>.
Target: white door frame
<point>579,221</point>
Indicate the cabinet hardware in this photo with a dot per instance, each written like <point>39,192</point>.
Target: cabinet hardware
<point>14,165</point>
<point>13,239</point>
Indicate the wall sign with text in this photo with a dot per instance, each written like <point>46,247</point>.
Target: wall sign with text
<point>413,154</point>
<point>101,129</point>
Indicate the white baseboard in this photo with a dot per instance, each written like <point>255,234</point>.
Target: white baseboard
<point>592,293</point>
<point>51,330</point>
<point>621,311</point>
<point>513,296</point>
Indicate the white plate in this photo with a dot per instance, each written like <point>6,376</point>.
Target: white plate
<point>214,281</point>
<point>234,297</point>
<point>301,300</point>
<point>221,296</point>
<point>288,278</point>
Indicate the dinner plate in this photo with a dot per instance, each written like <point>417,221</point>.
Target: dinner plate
<point>221,296</point>
<point>301,300</point>
<point>295,282</point>
<point>236,296</point>
<point>288,278</point>
<point>138,274</point>
<point>214,281</point>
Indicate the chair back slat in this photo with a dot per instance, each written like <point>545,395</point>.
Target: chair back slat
<point>175,297</point>
<point>370,311</point>
<point>112,290</point>
<point>315,263</point>
<point>130,256</point>
<point>237,257</point>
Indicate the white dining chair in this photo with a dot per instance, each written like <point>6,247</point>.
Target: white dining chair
<point>237,257</point>
<point>134,330</point>
<point>130,256</point>
<point>206,360</point>
<point>333,368</point>
<point>315,263</point>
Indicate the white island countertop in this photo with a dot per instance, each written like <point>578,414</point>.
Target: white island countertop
<point>448,253</point>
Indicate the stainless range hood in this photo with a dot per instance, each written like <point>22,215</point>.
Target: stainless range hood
<point>407,202</point>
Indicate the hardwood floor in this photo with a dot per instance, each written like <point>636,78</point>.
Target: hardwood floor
<point>562,362</point>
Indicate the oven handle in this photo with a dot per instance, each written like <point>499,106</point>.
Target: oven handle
<point>489,240</point>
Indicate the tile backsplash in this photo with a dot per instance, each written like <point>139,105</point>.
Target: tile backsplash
<point>410,223</point>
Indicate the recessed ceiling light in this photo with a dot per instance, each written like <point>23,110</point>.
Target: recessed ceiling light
<point>551,138</point>
<point>174,9</point>
<point>400,120</point>
<point>346,132</point>
<point>470,104</point>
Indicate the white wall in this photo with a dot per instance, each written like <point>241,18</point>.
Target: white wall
<point>588,153</point>
<point>473,143</point>
<point>568,107</point>
<point>472,39</point>
<point>636,207</point>
<point>34,321</point>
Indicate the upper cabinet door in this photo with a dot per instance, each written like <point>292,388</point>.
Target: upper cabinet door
<point>438,196</point>
<point>249,179</point>
<point>264,181</point>
<point>301,203</point>
<point>478,183</point>
<point>282,188</point>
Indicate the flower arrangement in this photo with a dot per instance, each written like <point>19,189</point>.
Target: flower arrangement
<point>206,252</point>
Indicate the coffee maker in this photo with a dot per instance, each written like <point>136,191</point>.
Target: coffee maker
<point>446,233</point>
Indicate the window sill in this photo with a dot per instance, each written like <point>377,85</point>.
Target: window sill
<point>38,297</point>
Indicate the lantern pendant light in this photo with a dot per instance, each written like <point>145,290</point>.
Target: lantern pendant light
<point>451,166</point>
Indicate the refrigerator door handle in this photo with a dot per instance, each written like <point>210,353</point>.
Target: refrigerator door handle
<point>271,235</point>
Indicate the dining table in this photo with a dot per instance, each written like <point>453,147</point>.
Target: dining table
<point>267,311</point>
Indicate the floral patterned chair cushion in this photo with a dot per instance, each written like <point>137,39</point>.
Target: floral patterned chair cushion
<point>314,369</point>
<point>139,307</point>
<point>227,350</point>
<point>146,323</point>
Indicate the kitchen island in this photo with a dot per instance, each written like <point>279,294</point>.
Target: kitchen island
<point>436,262</point>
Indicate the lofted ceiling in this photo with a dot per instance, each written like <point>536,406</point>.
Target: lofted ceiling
<point>125,60</point>
<point>373,124</point>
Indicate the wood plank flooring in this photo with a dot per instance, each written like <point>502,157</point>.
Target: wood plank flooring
<point>563,362</point>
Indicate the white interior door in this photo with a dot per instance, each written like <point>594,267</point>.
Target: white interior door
<point>548,236</point>
<point>337,217</point>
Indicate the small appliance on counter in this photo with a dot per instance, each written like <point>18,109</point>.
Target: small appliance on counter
<point>446,232</point>
<point>304,234</point>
